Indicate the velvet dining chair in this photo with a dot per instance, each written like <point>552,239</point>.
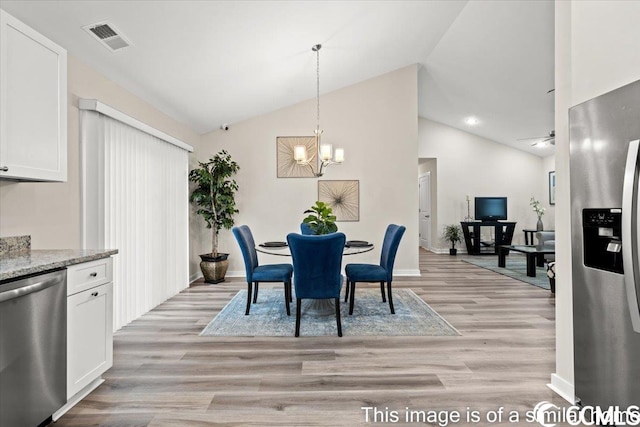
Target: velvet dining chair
<point>306,229</point>
<point>261,273</point>
<point>376,273</point>
<point>317,274</point>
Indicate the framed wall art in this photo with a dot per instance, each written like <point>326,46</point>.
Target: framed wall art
<point>343,196</point>
<point>286,163</point>
<point>552,187</point>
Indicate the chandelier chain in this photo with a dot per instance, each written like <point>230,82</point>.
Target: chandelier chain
<point>318,88</point>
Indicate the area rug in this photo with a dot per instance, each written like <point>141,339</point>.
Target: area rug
<point>371,316</point>
<point>516,268</point>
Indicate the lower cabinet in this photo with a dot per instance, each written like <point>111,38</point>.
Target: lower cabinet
<point>89,336</point>
<point>89,328</point>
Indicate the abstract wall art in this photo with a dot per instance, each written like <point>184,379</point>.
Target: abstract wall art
<point>343,196</point>
<point>286,163</point>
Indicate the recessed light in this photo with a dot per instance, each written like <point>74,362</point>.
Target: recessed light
<point>471,121</point>
<point>540,144</point>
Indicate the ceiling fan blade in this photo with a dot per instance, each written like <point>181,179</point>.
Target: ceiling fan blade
<point>535,137</point>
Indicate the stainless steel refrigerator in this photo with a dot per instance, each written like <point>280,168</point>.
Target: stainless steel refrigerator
<point>604,134</point>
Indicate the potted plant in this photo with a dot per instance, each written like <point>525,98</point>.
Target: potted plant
<point>539,210</point>
<point>214,196</point>
<point>321,219</point>
<point>452,233</point>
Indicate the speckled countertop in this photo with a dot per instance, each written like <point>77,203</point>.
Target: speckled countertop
<point>16,264</point>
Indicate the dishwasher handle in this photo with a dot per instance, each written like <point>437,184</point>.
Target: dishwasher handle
<point>31,288</point>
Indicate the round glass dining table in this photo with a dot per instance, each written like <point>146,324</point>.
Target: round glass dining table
<point>317,307</point>
<point>284,249</point>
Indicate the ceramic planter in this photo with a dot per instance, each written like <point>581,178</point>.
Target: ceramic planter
<point>214,268</point>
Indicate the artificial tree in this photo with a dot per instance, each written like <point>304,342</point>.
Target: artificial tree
<point>214,197</point>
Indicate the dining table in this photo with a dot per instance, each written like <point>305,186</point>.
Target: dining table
<point>317,307</point>
<point>282,249</point>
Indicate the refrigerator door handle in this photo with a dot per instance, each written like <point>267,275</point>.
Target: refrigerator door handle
<point>630,232</point>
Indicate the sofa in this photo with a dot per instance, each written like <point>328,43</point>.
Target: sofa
<point>547,239</point>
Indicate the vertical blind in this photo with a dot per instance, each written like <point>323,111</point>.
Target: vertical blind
<point>135,190</point>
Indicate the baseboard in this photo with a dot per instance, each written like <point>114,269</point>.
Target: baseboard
<point>195,277</point>
<point>563,388</point>
<point>77,398</point>
<point>406,272</point>
<point>441,251</point>
<point>236,273</point>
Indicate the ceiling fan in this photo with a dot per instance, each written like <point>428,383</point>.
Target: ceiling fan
<point>541,141</point>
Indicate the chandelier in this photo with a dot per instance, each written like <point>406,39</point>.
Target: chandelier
<point>325,154</point>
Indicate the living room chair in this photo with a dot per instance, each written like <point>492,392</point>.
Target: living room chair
<point>547,240</point>
<point>371,273</point>
<point>261,273</point>
<point>317,264</point>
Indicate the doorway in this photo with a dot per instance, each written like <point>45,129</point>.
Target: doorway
<point>424,185</point>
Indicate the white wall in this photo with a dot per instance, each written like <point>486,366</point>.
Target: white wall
<point>376,123</point>
<point>469,164</point>
<point>596,51</point>
<point>548,165</point>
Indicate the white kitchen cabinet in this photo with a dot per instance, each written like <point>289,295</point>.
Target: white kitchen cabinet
<point>33,104</point>
<point>89,325</point>
<point>89,336</point>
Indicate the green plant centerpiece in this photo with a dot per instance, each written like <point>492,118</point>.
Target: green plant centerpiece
<point>453,234</point>
<point>214,197</point>
<point>321,219</point>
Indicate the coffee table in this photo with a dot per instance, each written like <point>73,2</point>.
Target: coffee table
<point>535,256</point>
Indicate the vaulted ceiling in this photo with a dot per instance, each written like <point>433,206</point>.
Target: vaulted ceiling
<point>206,63</point>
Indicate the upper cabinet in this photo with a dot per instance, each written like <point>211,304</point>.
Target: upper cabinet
<point>33,104</point>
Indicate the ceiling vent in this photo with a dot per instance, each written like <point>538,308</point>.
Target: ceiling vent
<point>108,35</point>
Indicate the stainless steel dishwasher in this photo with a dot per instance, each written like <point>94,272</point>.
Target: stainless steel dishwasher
<point>33,348</point>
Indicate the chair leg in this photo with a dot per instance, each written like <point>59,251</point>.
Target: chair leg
<point>346,291</point>
<point>390,298</point>
<point>338,317</point>
<point>255,292</point>
<point>287,289</point>
<point>248,299</point>
<point>298,311</point>
<point>384,299</point>
<point>351,297</point>
<point>290,293</point>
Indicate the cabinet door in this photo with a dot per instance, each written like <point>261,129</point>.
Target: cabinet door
<point>89,336</point>
<point>33,104</point>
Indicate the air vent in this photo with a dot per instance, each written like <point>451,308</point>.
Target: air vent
<point>107,35</point>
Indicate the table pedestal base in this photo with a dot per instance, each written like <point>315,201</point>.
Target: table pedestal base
<point>318,307</point>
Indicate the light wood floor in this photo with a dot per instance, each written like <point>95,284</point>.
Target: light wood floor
<point>164,374</point>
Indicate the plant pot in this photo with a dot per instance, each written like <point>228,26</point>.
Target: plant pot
<point>453,251</point>
<point>213,267</point>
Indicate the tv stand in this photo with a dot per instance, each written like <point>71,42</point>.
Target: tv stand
<point>503,232</point>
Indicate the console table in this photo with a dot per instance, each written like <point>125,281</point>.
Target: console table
<point>503,232</point>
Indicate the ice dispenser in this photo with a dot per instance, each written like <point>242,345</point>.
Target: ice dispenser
<point>602,234</point>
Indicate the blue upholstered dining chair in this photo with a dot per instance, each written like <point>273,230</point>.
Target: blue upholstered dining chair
<point>376,273</point>
<point>317,264</point>
<point>306,229</point>
<point>261,273</point>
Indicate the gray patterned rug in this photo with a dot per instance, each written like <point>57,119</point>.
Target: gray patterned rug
<point>371,316</point>
<point>515,267</point>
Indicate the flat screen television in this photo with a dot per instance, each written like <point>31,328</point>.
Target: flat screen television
<point>490,208</point>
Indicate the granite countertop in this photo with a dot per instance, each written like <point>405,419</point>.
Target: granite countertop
<point>16,264</point>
